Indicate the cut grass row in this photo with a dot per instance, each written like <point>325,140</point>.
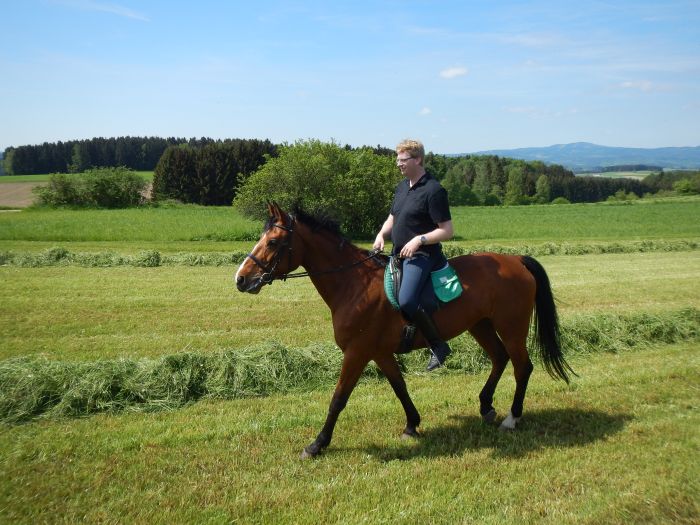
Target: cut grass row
<point>37,387</point>
<point>618,447</point>
<point>60,256</point>
<point>75,313</point>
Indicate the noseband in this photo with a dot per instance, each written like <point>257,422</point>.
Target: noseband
<point>268,276</point>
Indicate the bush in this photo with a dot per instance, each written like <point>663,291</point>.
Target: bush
<point>492,200</point>
<point>95,188</point>
<point>561,200</point>
<point>354,187</point>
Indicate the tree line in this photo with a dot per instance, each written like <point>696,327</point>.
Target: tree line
<point>76,156</point>
<point>211,172</point>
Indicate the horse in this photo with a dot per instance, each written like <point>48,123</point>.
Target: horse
<point>503,295</point>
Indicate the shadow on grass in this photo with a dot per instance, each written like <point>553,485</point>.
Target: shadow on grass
<point>536,431</point>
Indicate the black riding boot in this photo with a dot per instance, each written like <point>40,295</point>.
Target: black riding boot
<point>439,349</point>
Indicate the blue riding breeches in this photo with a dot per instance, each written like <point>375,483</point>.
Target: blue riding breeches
<point>416,273</point>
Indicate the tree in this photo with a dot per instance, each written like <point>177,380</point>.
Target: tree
<point>514,186</point>
<point>353,186</point>
<point>458,192</point>
<point>481,186</point>
<point>542,190</point>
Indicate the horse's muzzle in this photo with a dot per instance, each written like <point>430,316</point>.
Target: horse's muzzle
<point>249,285</point>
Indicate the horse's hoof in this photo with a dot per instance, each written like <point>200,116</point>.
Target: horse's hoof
<point>410,434</point>
<point>489,417</point>
<point>305,454</point>
<point>509,423</point>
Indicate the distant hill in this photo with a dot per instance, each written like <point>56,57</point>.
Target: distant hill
<point>584,156</point>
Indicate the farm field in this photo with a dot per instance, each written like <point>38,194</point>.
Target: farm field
<point>44,177</point>
<point>618,445</point>
<point>190,228</point>
<point>93,313</point>
<point>16,190</point>
<point>620,174</point>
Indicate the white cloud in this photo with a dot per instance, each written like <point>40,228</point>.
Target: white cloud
<point>641,85</point>
<point>104,7</point>
<point>453,72</point>
<point>425,111</point>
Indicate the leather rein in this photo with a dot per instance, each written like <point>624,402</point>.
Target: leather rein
<point>268,276</point>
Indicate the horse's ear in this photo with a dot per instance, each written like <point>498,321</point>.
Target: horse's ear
<point>271,208</point>
<point>276,210</point>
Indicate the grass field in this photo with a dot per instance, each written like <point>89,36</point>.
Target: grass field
<point>173,228</point>
<point>620,174</point>
<point>91,313</point>
<point>619,445</point>
<point>44,177</point>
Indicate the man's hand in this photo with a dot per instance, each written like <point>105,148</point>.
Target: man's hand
<point>410,248</point>
<point>379,243</point>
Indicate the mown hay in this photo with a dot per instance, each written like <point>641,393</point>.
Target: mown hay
<point>39,387</point>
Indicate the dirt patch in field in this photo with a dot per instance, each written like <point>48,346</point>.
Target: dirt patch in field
<point>17,194</point>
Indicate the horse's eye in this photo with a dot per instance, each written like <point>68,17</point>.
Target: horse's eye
<point>272,243</point>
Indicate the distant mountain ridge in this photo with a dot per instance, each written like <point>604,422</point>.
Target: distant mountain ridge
<point>584,156</point>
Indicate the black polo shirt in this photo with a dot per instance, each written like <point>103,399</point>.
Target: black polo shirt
<point>417,210</point>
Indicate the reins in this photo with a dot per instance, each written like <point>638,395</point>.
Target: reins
<point>268,277</point>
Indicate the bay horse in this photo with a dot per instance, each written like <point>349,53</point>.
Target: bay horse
<point>500,294</point>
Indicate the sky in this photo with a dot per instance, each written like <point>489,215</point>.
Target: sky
<point>462,76</point>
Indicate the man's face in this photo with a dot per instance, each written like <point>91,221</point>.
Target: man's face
<point>408,165</point>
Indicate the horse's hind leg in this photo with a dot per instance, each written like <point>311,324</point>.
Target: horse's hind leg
<point>522,368</point>
<point>486,336</point>
<point>390,367</point>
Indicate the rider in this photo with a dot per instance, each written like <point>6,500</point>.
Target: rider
<point>418,221</point>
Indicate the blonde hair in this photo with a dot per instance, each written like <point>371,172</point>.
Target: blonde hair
<point>412,147</point>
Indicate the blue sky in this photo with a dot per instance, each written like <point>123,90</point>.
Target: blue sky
<point>462,76</point>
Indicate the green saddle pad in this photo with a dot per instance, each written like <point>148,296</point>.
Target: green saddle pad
<point>445,282</point>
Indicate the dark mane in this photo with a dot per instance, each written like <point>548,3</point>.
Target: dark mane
<point>315,222</point>
<point>318,221</point>
<point>323,222</point>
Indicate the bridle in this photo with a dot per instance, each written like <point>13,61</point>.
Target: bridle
<point>268,276</point>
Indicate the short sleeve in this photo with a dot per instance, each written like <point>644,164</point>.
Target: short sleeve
<point>438,206</point>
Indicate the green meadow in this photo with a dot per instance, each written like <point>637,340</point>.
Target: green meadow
<point>115,408</point>
<point>44,177</point>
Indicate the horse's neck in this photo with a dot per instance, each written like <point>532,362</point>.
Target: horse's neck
<point>322,257</point>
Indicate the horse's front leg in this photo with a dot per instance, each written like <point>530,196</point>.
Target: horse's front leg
<point>390,367</point>
<point>350,373</point>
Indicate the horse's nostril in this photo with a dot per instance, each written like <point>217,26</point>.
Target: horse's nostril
<point>240,279</point>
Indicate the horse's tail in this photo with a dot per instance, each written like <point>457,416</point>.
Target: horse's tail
<point>546,323</point>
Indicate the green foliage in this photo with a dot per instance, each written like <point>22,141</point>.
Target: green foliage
<point>95,188</point>
<point>689,186</point>
<point>543,190</point>
<point>492,200</point>
<point>561,200</point>
<point>138,153</point>
<point>208,174</point>
<point>458,191</point>
<point>355,187</point>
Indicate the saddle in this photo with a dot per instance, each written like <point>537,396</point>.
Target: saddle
<point>442,287</point>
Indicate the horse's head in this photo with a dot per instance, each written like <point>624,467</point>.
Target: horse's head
<point>273,256</point>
